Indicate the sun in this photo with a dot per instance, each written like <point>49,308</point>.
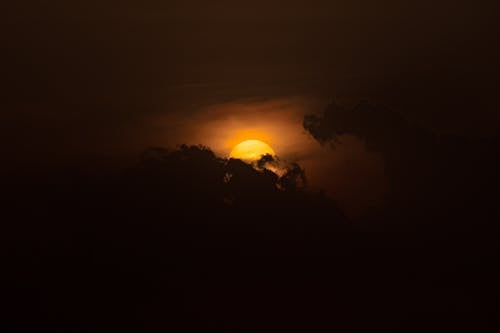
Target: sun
<point>251,150</point>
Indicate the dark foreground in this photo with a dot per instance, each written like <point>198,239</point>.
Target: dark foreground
<point>170,246</point>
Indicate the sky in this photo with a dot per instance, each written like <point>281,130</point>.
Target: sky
<point>92,80</point>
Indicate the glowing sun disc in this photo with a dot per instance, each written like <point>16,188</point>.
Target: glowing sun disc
<point>251,150</point>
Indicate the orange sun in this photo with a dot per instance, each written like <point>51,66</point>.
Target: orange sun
<point>251,150</point>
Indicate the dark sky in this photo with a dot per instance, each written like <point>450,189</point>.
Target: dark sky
<point>81,77</point>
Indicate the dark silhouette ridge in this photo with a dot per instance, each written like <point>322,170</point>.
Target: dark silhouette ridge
<point>133,249</point>
<point>186,241</point>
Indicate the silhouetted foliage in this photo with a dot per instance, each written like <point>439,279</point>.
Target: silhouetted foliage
<point>186,241</point>
<point>434,179</point>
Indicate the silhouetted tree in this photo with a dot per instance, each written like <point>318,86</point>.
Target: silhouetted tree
<point>434,179</point>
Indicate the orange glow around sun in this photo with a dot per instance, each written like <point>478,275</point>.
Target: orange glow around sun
<point>221,127</point>
<point>251,150</point>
